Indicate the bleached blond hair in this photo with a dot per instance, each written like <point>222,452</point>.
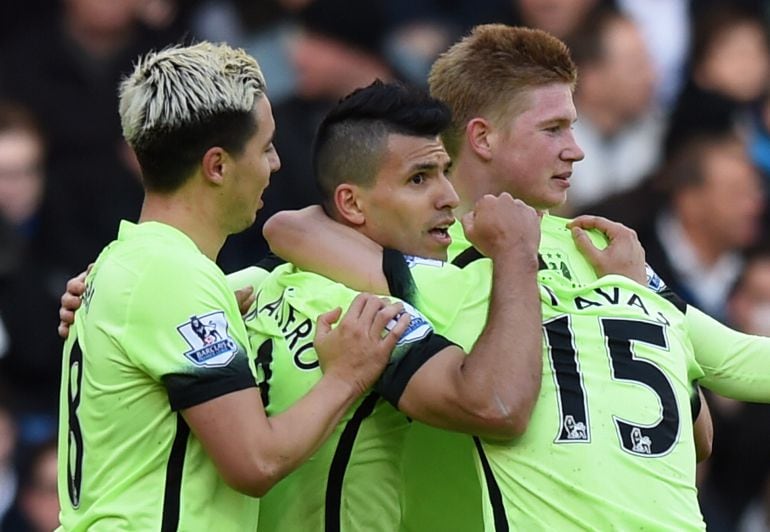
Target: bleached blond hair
<point>182,100</point>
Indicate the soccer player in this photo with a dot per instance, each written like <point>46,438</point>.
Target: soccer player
<point>510,91</point>
<point>513,113</point>
<point>381,169</point>
<point>161,422</point>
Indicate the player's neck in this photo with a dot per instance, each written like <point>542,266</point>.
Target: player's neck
<point>189,216</point>
<point>470,182</point>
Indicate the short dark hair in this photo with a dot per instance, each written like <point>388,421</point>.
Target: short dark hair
<point>170,154</point>
<point>351,138</point>
<point>16,117</point>
<point>687,167</point>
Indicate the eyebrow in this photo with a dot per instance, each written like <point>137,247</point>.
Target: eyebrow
<point>557,120</point>
<point>429,166</point>
<point>422,166</point>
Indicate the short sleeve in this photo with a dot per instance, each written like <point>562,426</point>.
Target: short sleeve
<point>183,329</point>
<point>415,347</point>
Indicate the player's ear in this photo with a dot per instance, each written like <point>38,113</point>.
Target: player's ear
<point>215,164</point>
<point>480,133</point>
<point>349,204</point>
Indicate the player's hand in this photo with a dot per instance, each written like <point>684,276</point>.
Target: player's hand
<point>624,255</point>
<point>245,297</point>
<point>358,348</point>
<point>70,301</point>
<point>501,224</point>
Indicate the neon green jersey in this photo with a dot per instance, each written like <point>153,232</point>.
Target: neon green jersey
<point>159,331</point>
<point>352,482</point>
<point>735,365</point>
<point>546,479</point>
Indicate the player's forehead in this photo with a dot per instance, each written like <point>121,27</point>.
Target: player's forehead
<point>407,152</point>
<point>544,104</point>
<point>265,120</point>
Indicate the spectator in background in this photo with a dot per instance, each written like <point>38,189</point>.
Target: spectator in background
<point>66,69</point>
<point>713,212</point>
<point>619,127</point>
<point>729,72</point>
<point>337,51</point>
<point>560,18</point>
<point>21,169</point>
<point>36,508</point>
<point>30,281</point>
<point>264,29</point>
<point>665,26</point>
<point>749,305</point>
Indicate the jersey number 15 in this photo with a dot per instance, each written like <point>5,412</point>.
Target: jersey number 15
<point>641,440</point>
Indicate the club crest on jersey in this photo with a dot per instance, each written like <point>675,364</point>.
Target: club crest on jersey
<point>558,262</point>
<point>207,336</point>
<point>418,328</point>
<point>412,261</point>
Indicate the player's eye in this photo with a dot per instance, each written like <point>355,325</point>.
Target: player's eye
<point>417,179</point>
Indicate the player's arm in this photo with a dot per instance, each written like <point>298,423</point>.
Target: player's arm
<point>736,365</point>
<point>311,240</point>
<point>253,452</point>
<point>703,427</point>
<point>624,254</point>
<point>491,392</point>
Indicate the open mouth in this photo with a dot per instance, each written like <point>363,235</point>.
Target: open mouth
<point>441,232</point>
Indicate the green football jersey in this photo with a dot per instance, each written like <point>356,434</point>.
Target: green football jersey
<point>735,365</point>
<point>159,331</point>
<point>352,482</point>
<point>618,367</point>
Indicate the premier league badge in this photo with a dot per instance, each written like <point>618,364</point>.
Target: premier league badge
<point>207,336</point>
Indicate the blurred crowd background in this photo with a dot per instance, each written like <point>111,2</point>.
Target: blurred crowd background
<point>674,117</point>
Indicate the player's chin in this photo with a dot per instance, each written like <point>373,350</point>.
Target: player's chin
<point>439,252</point>
<point>554,199</point>
<point>429,251</point>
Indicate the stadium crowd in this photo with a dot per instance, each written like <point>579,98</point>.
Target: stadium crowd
<point>673,103</point>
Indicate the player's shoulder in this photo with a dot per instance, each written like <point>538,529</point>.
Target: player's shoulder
<point>169,270</point>
<point>307,292</point>
<point>158,247</point>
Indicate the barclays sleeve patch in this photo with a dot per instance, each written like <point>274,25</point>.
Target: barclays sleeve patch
<point>419,326</point>
<point>207,336</point>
